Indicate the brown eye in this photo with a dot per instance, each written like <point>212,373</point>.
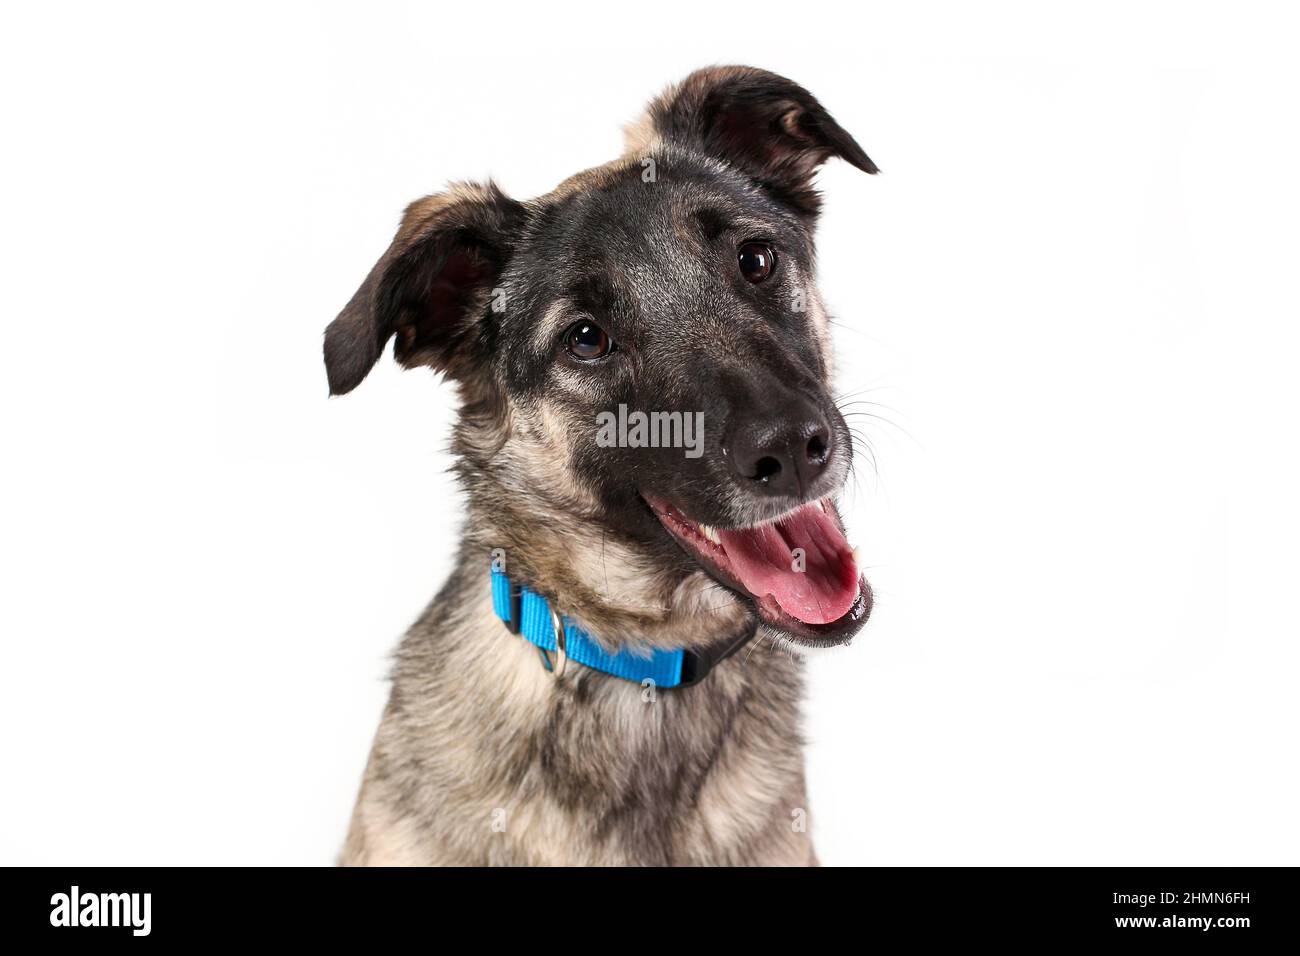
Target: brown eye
<point>757,261</point>
<point>587,341</point>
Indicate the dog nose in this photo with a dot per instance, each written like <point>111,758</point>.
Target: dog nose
<point>781,456</point>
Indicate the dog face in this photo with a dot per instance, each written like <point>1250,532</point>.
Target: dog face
<point>644,349</point>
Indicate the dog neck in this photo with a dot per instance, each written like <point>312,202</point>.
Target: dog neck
<point>600,581</point>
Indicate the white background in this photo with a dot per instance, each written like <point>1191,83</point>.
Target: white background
<point>1071,292</point>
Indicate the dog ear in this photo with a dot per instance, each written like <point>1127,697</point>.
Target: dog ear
<point>429,289</point>
<point>765,125</point>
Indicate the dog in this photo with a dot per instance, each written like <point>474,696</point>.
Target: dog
<point>610,676</point>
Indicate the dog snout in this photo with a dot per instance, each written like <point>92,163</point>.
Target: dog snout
<point>782,454</point>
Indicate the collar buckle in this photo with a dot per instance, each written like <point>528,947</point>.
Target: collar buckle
<point>696,664</point>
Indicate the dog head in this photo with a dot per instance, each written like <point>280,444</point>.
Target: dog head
<point>644,364</point>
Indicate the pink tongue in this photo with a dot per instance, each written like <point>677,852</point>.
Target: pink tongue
<point>766,562</point>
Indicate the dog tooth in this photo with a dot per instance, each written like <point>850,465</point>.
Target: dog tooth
<point>710,534</point>
<point>857,557</point>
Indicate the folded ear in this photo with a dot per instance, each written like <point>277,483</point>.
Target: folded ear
<point>430,289</point>
<point>767,126</point>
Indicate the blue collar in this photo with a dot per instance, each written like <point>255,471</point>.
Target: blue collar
<point>528,614</point>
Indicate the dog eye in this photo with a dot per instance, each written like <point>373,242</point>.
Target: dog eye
<point>587,341</point>
<point>757,261</point>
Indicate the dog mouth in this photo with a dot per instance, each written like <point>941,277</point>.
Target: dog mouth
<point>799,571</point>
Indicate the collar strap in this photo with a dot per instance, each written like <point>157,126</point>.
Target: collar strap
<point>527,613</point>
